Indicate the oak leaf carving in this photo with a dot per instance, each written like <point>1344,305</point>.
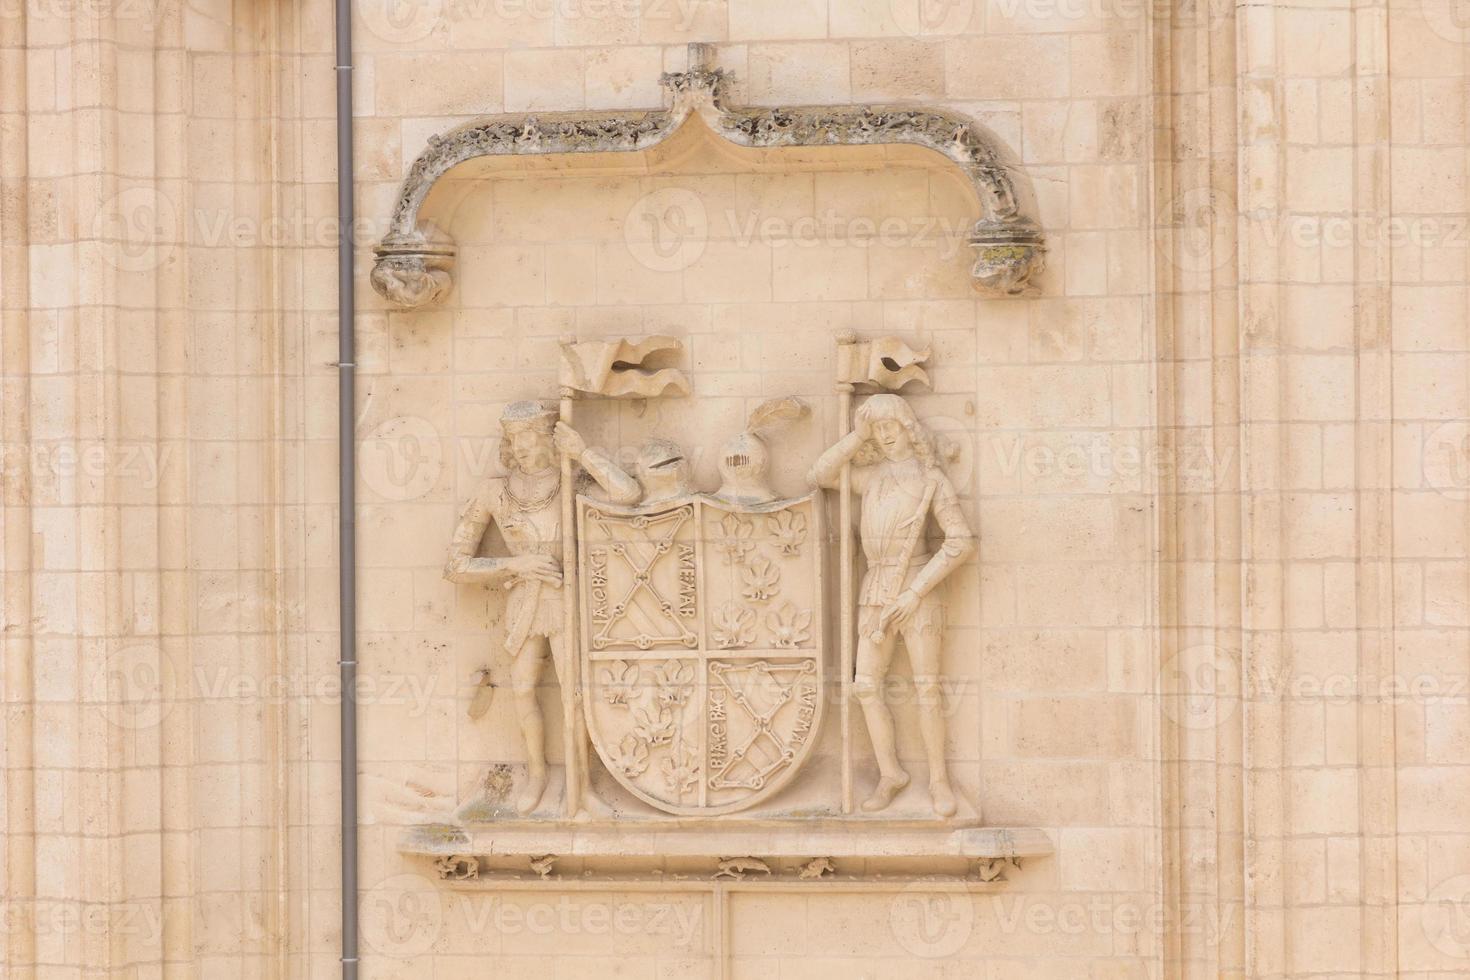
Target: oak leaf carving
<point>788,527</point>
<point>682,776</point>
<point>631,756</point>
<point>619,682</point>
<point>790,627</point>
<point>762,580</point>
<point>655,725</point>
<point>736,543</point>
<point>733,627</point>
<point>675,680</point>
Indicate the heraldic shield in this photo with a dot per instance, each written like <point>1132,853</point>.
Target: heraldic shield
<point>701,644</point>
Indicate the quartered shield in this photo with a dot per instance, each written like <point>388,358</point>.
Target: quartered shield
<point>701,643</point>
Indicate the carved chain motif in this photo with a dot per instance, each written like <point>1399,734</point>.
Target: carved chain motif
<point>607,617</point>
<point>780,751</point>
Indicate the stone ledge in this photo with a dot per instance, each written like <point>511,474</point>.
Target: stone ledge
<point>841,838</point>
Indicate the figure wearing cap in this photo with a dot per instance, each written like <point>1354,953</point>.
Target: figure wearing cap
<point>525,504</point>
<point>904,490</point>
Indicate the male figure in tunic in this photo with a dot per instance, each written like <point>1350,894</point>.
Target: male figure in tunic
<point>526,506</point>
<point>903,490</point>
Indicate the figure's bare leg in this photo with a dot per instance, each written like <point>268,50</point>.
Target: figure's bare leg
<point>525,676</point>
<point>923,647</point>
<point>580,741</point>
<point>872,671</point>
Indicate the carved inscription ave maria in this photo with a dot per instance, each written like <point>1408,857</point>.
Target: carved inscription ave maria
<point>701,645</point>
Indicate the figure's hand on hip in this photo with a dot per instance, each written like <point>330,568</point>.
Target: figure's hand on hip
<point>542,568</point>
<point>900,611</point>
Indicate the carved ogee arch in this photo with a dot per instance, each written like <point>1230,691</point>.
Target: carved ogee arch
<point>413,270</point>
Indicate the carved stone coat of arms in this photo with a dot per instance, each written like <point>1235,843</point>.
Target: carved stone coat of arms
<point>701,639</point>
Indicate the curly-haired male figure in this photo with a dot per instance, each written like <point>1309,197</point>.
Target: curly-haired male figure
<point>902,486</point>
<point>526,506</point>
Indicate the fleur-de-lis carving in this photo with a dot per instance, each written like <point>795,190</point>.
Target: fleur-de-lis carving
<point>762,580</point>
<point>790,627</point>
<point>632,756</point>
<point>736,543</point>
<point>733,627</point>
<point>788,527</point>
<point>680,777</point>
<point>655,724</point>
<point>619,682</point>
<point>675,680</point>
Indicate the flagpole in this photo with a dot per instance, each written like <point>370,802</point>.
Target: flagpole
<point>569,678</point>
<point>601,369</point>
<point>845,347</point>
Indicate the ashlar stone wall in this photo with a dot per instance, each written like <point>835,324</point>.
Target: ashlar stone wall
<point>1214,639</point>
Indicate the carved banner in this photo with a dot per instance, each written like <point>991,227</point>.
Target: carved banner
<point>701,641</point>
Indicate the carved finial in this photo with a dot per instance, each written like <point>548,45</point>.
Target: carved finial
<point>702,80</point>
<point>701,56</point>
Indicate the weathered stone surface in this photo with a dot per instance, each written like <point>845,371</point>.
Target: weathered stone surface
<point>1205,671</point>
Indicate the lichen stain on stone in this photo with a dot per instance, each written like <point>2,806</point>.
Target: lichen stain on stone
<point>498,782</point>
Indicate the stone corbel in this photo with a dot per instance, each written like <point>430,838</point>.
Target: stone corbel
<point>413,268</point>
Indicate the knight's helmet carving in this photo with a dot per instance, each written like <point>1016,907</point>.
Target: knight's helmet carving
<point>745,458</point>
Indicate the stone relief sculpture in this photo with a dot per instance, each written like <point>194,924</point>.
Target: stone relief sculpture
<point>689,630</point>
<point>897,474</point>
<point>532,506</point>
<point>526,506</point>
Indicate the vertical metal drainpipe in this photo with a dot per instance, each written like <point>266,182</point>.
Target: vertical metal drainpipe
<point>346,490</point>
